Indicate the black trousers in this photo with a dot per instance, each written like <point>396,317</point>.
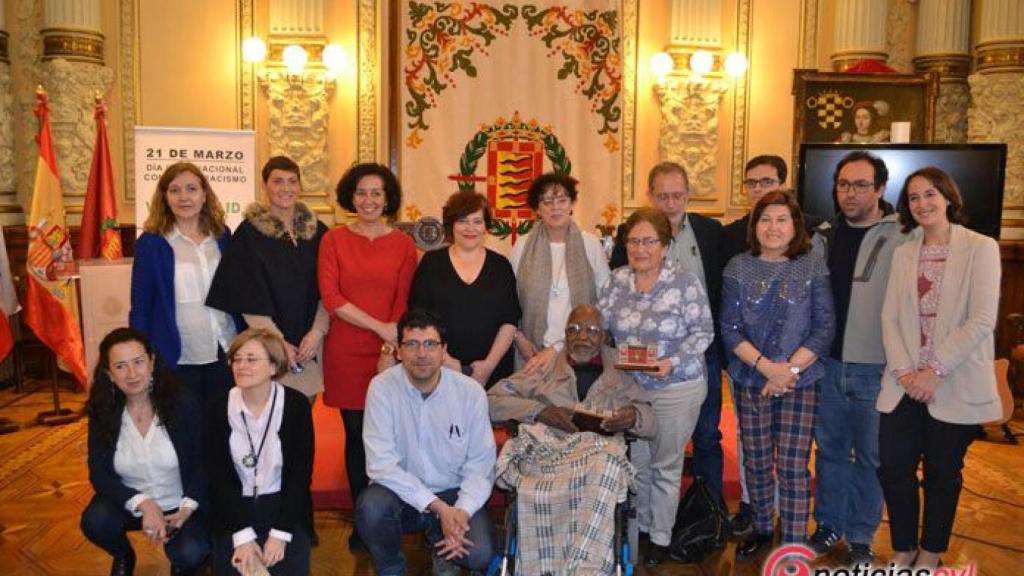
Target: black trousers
<point>208,382</point>
<point>908,436</point>
<point>355,455</point>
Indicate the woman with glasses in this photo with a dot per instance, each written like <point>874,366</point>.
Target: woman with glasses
<point>652,303</point>
<point>557,266</point>
<point>259,455</point>
<point>145,458</point>
<point>777,320</point>
<point>365,270</point>
<point>471,288</point>
<point>268,275</point>
<point>175,261</point>
<point>939,385</point>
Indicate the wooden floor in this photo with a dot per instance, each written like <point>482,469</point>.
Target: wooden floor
<point>44,487</point>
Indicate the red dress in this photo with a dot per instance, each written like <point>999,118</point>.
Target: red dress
<point>375,276</point>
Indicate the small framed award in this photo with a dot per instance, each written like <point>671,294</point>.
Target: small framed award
<point>642,357</point>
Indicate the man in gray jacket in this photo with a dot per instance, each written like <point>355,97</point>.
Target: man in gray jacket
<point>858,245</point>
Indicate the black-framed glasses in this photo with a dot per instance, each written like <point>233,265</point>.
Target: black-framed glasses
<point>751,183</point>
<point>858,186</point>
<point>574,329</point>
<point>415,345</point>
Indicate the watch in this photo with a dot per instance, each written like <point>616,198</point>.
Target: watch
<point>795,370</point>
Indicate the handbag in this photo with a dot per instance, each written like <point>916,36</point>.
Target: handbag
<point>700,527</point>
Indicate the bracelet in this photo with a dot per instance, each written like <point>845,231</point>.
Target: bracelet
<point>386,349</point>
<point>754,365</point>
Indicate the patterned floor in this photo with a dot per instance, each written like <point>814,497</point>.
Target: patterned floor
<point>44,486</point>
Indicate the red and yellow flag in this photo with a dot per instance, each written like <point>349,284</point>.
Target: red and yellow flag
<point>51,303</point>
<point>100,235</point>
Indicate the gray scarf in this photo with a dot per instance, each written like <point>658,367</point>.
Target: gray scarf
<point>534,277</point>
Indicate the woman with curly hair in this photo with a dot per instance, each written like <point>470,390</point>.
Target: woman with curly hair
<point>175,260</point>
<point>145,460</point>
<point>365,271</point>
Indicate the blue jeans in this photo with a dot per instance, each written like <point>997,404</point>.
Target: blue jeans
<point>848,497</point>
<point>707,438</point>
<point>382,517</point>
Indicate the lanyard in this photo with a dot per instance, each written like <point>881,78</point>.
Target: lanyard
<point>251,459</point>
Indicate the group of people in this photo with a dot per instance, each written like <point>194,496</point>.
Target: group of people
<point>843,333</point>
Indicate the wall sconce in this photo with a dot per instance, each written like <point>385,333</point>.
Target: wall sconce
<point>662,65</point>
<point>736,65</point>
<point>701,62</point>
<point>325,62</point>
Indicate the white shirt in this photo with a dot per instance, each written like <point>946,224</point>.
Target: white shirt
<point>149,464</point>
<point>560,304</point>
<point>201,328</point>
<point>417,447</point>
<point>265,478</point>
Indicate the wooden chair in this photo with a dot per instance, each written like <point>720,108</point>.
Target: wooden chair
<point>1002,368</point>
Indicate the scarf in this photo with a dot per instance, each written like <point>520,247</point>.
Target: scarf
<point>534,277</point>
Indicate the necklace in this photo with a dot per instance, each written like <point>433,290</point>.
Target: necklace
<point>251,459</point>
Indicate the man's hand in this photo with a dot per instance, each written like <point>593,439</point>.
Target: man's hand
<point>454,526</point>
<point>621,420</point>
<point>557,417</point>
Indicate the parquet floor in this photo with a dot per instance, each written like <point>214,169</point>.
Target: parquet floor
<point>44,486</point>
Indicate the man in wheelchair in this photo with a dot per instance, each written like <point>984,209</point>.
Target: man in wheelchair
<point>567,480</point>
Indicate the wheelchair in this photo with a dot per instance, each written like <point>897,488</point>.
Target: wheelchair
<point>625,539</point>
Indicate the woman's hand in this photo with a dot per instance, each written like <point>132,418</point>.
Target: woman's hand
<point>386,359</point>
<point>451,362</point>
<point>309,345</point>
<point>273,551</point>
<point>291,352</point>
<point>388,332</point>
<point>246,558</point>
<point>780,378</point>
<point>482,371</point>
<point>153,524</point>
<point>923,386</point>
<point>526,348</point>
<point>543,361</point>
<point>664,369</point>
<point>178,518</point>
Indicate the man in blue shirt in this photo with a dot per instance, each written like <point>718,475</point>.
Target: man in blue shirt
<point>429,456</point>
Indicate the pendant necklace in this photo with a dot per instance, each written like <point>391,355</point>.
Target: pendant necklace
<point>251,459</point>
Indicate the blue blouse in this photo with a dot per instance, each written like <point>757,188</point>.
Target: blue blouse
<point>777,307</point>
<point>674,315</point>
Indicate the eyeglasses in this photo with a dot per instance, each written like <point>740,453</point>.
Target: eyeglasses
<point>666,196</point>
<point>645,242</point>
<point>752,183</point>
<point>555,200</point>
<point>574,329</point>
<point>250,360</point>
<point>858,186</point>
<point>375,193</point>
<point>415,345</point>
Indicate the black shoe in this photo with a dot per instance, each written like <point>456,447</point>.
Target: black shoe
<point>123,565</point>
<point>860,554</point>
<point>655,555</point>
<point>355,543</point>
<point>754,547</point>
<point>823,540</point>
<point>741,524</point>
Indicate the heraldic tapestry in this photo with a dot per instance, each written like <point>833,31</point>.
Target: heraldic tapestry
<point>493,94</point>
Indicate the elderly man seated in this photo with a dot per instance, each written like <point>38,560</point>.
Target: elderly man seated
<point>567,483</point>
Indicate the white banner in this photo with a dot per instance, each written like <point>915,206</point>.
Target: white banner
<point>227,157</point>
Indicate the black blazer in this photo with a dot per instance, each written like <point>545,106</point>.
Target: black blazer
<point>708,232</point>
<point>228,513</point>
<point>185,436</point>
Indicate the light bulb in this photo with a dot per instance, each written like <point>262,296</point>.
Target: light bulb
<point>736,64</point>
<point>254,50</point>
<point>701,62</point>
<point>335,58</point>
<point>661,65</point>
<point>295,58</point>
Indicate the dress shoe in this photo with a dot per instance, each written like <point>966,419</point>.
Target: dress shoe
<point>123,565</point>
<point>655,555</point>
<point>741,524</point>
<point>754,546</point>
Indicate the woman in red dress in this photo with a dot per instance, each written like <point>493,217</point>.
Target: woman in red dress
<point>365,270</point>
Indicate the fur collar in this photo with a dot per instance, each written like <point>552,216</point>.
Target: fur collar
<point>263,220</point>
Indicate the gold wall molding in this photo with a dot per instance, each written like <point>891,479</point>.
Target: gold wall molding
<point>997,57</point>
<point>368,106</point>
<point>949,67</point>
<point>741,101</point>
<point>247,72</point>
<point>996,114</point>
<point>128,82</point>
<point>72,45</point>
<point>689,129</point>
<point>807,55</point>
<point>630,29</point>
<point>843,61</point>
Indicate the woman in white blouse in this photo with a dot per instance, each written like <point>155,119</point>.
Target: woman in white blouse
<point>175,260</point>
<point>145,458</point>
<point>557,267</point>
<point>259,454</point>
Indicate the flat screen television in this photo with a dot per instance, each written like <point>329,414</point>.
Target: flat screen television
<point>978,169</point>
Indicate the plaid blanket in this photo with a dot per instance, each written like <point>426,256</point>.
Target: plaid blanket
<point>567,486</point>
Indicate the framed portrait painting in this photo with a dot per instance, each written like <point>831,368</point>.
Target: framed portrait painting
<point>843,108</point>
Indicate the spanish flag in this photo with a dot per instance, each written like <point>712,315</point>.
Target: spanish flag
<point>100,236</point>
<point>51,302</point>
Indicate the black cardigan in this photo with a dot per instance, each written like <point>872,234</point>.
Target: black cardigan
<point>184,436</point>
<point>228,513</point>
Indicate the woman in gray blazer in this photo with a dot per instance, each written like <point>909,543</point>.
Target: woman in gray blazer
<point>939,382</point>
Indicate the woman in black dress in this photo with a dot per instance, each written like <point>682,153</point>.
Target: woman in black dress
<point>268,274</point>
<point>473,290</point>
